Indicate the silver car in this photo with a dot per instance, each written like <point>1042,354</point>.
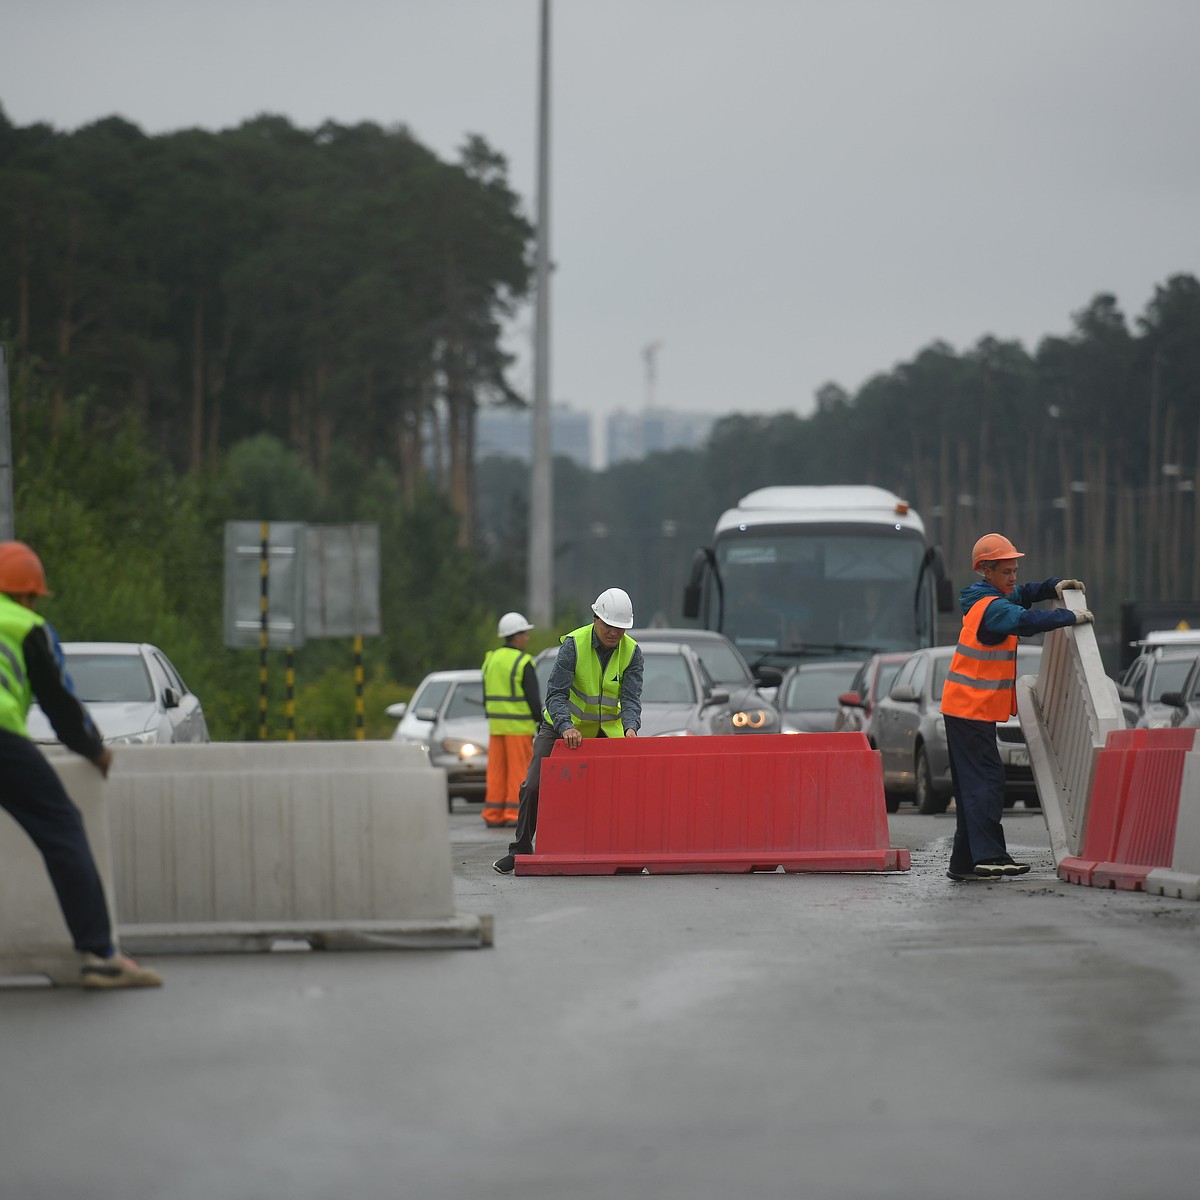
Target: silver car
<point>728,670</point>
<point>911,735</point>
<point>1161,669</point>
<point>809,695</point>
<point>1184,704</point>
<point>446,718</point>
<point>134,694</point>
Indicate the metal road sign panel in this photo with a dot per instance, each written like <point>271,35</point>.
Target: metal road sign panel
<point>285,566</point>
<point>342,581</point>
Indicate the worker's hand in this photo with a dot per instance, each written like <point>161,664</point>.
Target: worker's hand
<point>1084,617</point>
<point>573,738</point>
<point>103,761</point>
<point>1063,584</point>
<point>631,733</point>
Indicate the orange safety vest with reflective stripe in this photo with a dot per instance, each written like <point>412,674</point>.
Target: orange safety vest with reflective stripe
<point>982,683</point>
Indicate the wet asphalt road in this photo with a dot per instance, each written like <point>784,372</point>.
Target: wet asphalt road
<point>682,1038</point>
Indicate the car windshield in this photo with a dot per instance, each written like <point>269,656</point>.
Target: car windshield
<point>431,695</point>
<point>1169,676</point>
<point>883,679</point>
<point>667,680</point>
<point>466,700</point>
<point>818,689</point>
<point>110,677</point>
<point>722,662</point>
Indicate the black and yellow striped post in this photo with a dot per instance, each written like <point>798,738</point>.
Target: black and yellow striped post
<point>262,634</point>
<point>290,708</point>
<point>360,731</point>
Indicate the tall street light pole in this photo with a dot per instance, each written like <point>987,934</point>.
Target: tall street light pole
<point>541,485</point>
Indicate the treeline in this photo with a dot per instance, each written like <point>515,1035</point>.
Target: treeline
<point>280,324</point>
<point>341,289</point>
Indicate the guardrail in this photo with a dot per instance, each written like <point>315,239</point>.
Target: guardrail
<point>1067,712</point>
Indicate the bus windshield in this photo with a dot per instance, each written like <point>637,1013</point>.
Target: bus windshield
<point>822,591</point>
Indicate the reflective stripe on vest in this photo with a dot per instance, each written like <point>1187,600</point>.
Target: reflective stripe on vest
<point>981,683</point>
<point>504,700</point>
<point>16,694</point>
<point>595,703</point>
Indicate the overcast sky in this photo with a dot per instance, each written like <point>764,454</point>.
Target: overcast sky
<point>779,192</point>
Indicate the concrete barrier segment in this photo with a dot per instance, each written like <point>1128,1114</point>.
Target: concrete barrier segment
<point>245,844</point>
<point>34,940</point>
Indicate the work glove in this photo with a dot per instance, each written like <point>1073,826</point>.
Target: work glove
<point>1084,617</point>
<point>1063,584</point>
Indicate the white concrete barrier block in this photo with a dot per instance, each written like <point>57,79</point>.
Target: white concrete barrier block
<point>1186,856</point>
<point>34,939</point>
<point>279,835</point>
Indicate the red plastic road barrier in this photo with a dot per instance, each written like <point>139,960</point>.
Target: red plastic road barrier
<point>1132,810</point>
<point>804,802</point>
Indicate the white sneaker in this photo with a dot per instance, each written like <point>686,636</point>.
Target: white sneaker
<point>116,972</point>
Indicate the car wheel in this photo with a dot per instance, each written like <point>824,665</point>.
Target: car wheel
<point>929,801</point>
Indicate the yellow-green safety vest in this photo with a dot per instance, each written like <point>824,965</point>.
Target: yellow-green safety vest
<point>504,700</point>
<point>16,694</point>
<point>595,703</point>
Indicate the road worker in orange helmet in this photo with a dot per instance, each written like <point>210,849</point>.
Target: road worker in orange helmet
<point>980,691</point>
<point>31,667</point>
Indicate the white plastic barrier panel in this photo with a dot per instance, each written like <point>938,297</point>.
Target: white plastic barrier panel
<point>1182,880</point>
<point>1067,712</point>
<point>235,846</point>
<point>33,936</point>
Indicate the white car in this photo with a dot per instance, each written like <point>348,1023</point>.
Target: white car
<point>446,717</point>
<point>133,693</point>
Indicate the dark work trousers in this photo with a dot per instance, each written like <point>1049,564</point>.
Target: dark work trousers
<point>978,776</point>
<point>31,791</point>
<point>527,804</point>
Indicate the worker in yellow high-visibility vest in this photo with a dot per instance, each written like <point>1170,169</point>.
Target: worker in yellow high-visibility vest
<point>512,701</point>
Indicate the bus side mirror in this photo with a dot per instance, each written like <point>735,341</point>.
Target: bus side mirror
<point>691,601</point>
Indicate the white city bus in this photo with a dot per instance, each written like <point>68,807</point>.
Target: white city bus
<point>798,573</point>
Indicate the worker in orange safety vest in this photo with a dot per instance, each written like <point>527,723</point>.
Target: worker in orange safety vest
<point>512,701</point>
<point>980,690</point>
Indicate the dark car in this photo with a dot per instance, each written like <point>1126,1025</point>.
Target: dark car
<point>679,697</point>
<point>856,706</point>
<point>911,735</point>
<point>808,697</point>
<point>726,668</point>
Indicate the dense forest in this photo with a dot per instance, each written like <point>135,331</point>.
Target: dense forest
<point>286,324</point>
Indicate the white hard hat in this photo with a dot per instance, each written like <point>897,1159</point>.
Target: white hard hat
<point>615,608</point>
<point>512,623</point>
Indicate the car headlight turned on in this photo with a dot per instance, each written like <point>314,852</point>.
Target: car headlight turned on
<point>462,748</point>
<point>752,720</point>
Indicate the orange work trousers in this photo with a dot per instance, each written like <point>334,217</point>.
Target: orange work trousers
<point>509,755</point>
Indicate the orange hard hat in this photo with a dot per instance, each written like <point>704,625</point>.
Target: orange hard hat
<point>21,572</point>
<point>991,547</point>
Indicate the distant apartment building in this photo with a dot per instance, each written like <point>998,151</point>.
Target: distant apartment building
<point>620,437</point>
<point>509,432</point>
